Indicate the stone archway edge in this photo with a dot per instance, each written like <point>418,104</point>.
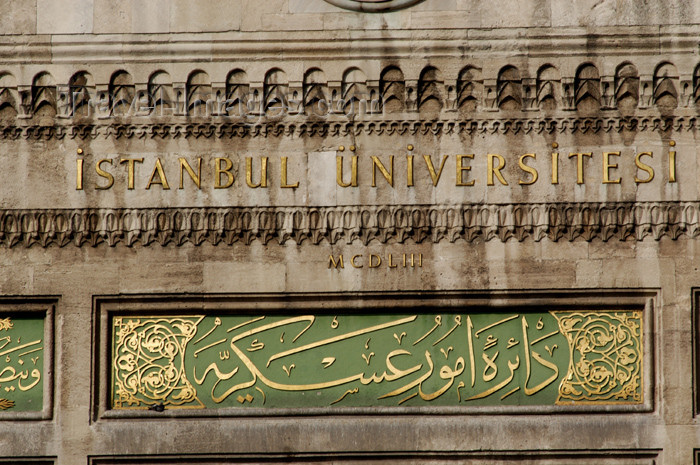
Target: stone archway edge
<point>373,6</point>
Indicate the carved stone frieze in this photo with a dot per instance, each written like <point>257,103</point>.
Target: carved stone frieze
<point>632,221</point>
<point>380,127</point>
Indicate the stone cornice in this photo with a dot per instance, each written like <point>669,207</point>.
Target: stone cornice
<point>349,44</point>
<point>634,221</point>
<point>192,128</point>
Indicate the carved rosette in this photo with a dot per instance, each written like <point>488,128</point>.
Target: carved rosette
<point>606,357</point>
<point>148,362</point>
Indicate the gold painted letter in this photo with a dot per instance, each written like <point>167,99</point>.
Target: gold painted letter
<point>283,181</point>
<point>131,162</point>
<point>352,261</point>
<point>644,167</point>
<point>332,263</point>
<point>579,165</point>
<point>461,169</point>
<point>491,170</point>
<point>431,168</point>
<point>607,166</point>
<point>389,176</point>
<point>104,174</point>
<point>672,163</point>
<point>528,169</point>
<point>339,172</point>
<point>79,175</point>
<point>196,178</point>
<point>163,181</point>
<point>218,171</point>
<point>249,172</point>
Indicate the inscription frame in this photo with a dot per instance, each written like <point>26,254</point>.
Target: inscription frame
<point>46,308</point>
<point>327,303</point>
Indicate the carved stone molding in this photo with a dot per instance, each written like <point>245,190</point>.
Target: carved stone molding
<point>387,127</point>
<point>349,224</point>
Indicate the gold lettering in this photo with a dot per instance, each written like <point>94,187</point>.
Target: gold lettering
<point>413,263</point>
<point>218,171</point>
<point>332,263</point>
<point>339,172</point>
<point>555,168</point>
<point>131,162</point>
<point>371,263</point>
<point>644,167</point>
<point>104,174</point>
<point>389,176</point>
<point>283,182</point>
<point>162,180</point>
<point>528,169</point>
<point>79,175</point>
<point>672,163</point>
<point>431,168</point>
<point>491,170</point>
<point>409,170</point>
<point>461,169</point>
<point>249,172</point>
<point>579,165</point>
<point>391,264</point>
<point>196,178</point>
<point>607,166</point>
<point>352,261</point>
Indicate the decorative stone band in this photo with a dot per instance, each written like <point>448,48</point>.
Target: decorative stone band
<point>387,127</point>
<point>385,224</point>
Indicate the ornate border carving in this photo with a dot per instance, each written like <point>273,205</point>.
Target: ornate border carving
<point>379,127</point>
<point>109,308</point>
<point>385,224</point>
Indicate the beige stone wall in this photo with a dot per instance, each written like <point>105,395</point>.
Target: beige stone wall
<point>554,244</point>
<point>57,17</point>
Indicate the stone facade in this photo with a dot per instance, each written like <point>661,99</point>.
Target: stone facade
<point>188,162</point>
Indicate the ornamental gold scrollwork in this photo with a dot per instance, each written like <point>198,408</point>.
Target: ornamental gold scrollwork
<point>606,354</point>
<point>148,362</point>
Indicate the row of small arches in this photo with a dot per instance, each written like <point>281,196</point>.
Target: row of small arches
<point>586,91</point>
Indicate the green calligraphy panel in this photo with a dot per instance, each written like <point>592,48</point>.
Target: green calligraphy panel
<point>21,363</point>
<point>409,360</point>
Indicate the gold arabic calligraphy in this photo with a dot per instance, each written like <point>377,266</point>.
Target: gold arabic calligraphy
<point>21,362</point>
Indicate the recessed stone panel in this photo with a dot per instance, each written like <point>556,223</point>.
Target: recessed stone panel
<point>454,355</point>
<point>26,358</point>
